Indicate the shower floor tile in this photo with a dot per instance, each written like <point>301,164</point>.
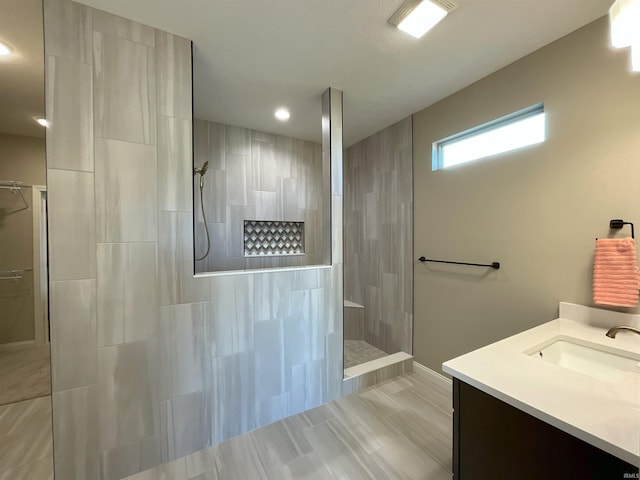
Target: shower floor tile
<point>357,352</point>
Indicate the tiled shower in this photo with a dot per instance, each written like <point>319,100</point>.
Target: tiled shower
<point>150,363</point>
<point>256,176</point>
<point>378,235</point>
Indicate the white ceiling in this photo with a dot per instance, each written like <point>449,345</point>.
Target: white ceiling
<point>254,55</point>
<point>251,56</point>
<point>22,74</point>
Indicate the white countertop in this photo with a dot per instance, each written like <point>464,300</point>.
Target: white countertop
<point>602,413</point>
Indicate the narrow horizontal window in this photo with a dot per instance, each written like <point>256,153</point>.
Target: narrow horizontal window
<point>520,129</point>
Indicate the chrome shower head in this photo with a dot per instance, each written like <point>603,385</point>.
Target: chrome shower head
<point>203,170</point>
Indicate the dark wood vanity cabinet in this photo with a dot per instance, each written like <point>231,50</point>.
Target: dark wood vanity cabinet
<point>495,441</point>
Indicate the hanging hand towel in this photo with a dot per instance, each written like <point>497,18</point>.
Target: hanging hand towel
<point>615,273</point>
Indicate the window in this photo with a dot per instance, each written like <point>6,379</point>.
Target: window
<point>520,129</point>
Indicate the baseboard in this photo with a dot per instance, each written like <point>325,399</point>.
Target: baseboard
<point>435,376</point>
<point>8,347</point>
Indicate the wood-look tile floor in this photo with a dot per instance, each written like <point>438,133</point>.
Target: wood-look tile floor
<point>24,374</point>
<point>400,429</point>
<point>26,440</point>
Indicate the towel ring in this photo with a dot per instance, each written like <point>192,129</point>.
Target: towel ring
<point>618,223</point>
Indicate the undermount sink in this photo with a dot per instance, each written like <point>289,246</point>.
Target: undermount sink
<point>588,359</point>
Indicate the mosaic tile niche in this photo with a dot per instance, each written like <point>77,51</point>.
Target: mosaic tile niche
<point>273,238</point>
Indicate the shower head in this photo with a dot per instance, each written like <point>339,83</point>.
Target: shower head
<point>202,170</point>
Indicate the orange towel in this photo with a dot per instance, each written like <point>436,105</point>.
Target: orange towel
<point>616,281</point>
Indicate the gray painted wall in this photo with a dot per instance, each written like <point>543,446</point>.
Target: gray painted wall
<point>255,176</point>
<point>150,363</point>
<point>379,235</point>
<point>537,210</point>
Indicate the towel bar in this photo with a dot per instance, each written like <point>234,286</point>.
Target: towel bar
<point>494,265</point>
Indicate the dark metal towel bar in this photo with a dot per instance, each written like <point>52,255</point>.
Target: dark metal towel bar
<point>495,265</point>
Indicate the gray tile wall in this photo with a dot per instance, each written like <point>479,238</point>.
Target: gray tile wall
<point>378,234</point>
<point>255,176</point>
<point>150,363</point>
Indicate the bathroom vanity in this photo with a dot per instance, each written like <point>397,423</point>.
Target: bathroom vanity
<point>561,400</point>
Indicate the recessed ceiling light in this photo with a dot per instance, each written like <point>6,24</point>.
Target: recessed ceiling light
<point>282,114</point>
<point>417,17</point>
<point>42,121</point>
<point>5,51</point>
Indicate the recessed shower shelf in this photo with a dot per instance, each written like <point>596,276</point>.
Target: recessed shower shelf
<point>273,238</point>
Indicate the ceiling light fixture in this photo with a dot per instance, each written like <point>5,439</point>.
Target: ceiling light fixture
<point>417,17</point>
<point>624,17</point>
<point>5,51</point>
<point>282,114</point>
<point>42,121</point>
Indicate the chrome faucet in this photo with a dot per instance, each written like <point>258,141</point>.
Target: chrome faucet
<point>613,331</point>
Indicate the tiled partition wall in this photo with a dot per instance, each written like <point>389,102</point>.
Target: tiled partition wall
<point>255,176</point>
<point>150,363</point>
<point>379,235</point>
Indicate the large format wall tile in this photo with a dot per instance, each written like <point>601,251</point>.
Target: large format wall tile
<point>334,345</point>
<point>269,356</point>
<point>232,305</point>
<point>271,409</point>
<point>174,164</point>
<point>233,399</point>
<point>123,28</point>
<point>71,220</point>
<point>128,403</point>
<point>304,332</point>
<point>209,143</point>
<point>131,458</point>
<point>68,31</point>
<point>173,61</point>
<point>124,102</point>
<point>75,433</point>
<point>264,161</point>
<point>185,349</point>
<point>126,191</point>
<point>175,249</point>
<point>336,147</point>
<point>187,424</point>
<point>237,140</point>
<point>127,292</point>
<point>336,237</point>
<point>70,115</point>
<point>272,295</point>
<point>307,385</point>
<point>378,219</point>
<point>214,195</point>
<point>74,362</point>
<point>334,302</point>
<point>327,232</point>
<point>236,176</point>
